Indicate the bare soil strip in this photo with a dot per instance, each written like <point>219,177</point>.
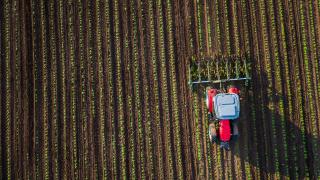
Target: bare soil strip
<point>161,91</point>
<point>123,30</point>
<point>69,90</point>
<point>78,91</point>
<point>40,105</point>
<point>260,75</point>
<point>18,93</point>
<point>205,53</point>
<point>253,59</point>
<point>60,93</point>
<point>274,82</point>
<point>114,42</point>
<point>24,113</point>
<point>106,92</point>
<point>143,92</point>
<point>223,27</point>
<point>169,82</point>
<point>151,91</point>
<point>13,92</point>
<point>97,120</point>
<point>180,88</point>
<point>31,90</point>
<point>134,99</point>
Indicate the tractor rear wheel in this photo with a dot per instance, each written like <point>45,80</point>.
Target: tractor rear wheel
<point>212,133</point>
<point>235,132</point>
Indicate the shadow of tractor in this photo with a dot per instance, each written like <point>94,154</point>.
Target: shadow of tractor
<point>273,143</point>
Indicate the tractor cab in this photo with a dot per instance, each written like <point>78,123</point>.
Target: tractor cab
<point>227,106</point>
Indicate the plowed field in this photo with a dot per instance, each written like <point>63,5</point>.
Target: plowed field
<point>98,89</point>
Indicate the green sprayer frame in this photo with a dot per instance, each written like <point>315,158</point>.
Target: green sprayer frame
<point>218,71</point>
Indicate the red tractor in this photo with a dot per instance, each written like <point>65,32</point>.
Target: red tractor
<point>223,110</point>
<point>223,105</point>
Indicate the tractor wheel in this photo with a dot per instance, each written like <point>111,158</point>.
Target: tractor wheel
<point>207,96</point>
<point>212,133</point>
<point>235,132</point>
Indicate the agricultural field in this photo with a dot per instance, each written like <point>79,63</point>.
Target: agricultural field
<point>99,89</point>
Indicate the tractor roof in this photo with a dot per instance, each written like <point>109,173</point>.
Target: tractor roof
<point>227,106</point>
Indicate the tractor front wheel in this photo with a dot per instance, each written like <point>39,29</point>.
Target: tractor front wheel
<point>212,133</point>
